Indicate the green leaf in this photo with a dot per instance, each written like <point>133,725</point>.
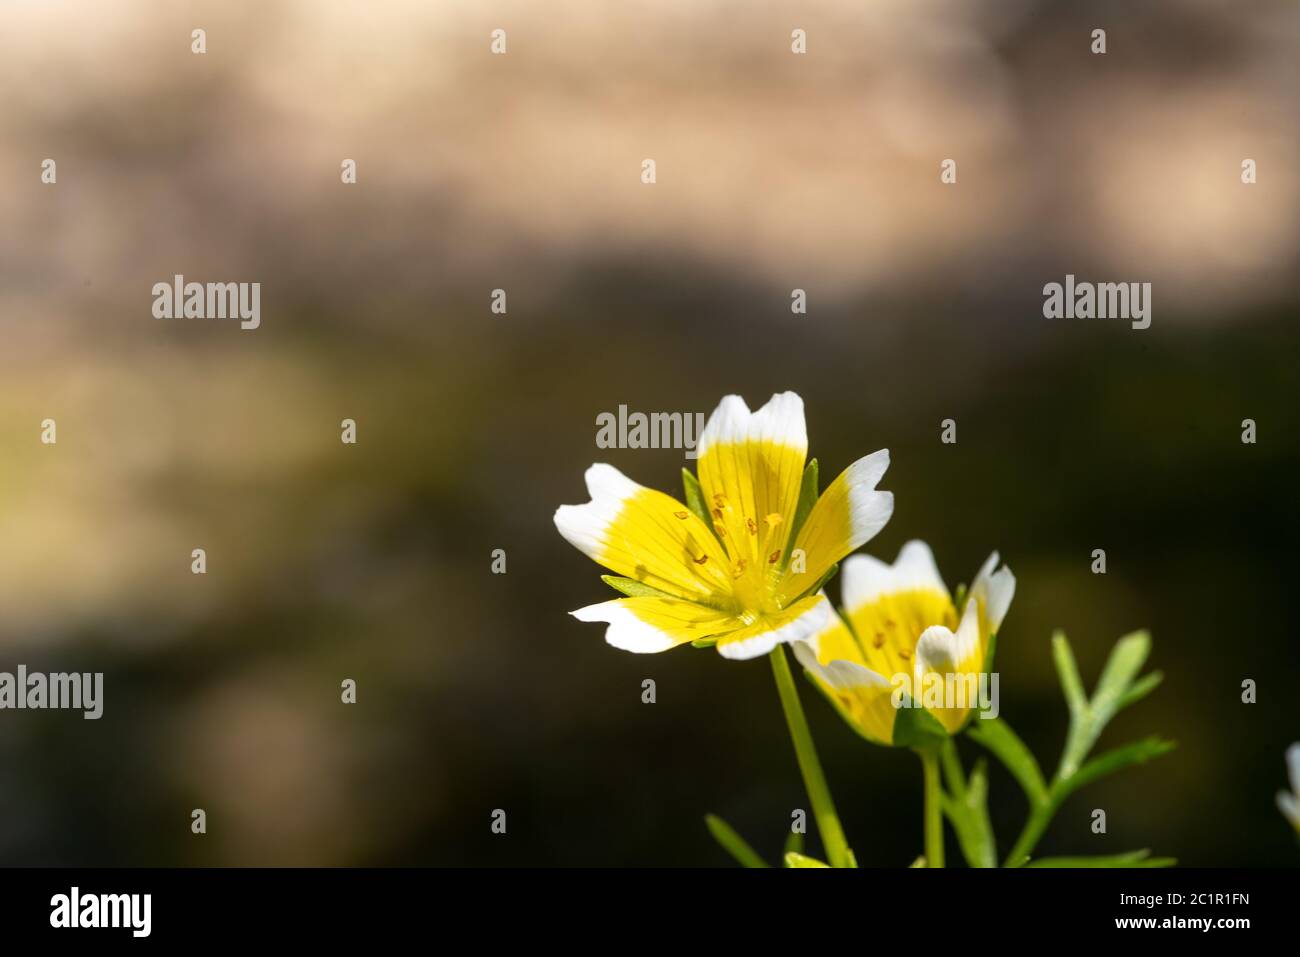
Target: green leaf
<point>799,860</point>
<point>996,735</point>
<point>1068,671</point>
<point>695,499</point>
<point>977,799</point>
<point>1139,690</point>
<point>635,589</point>
<point>793,843</point>
<point>1115,688</point>
<point>1139,752</point>
<point>1123,665</point>
<point>914,727</point>
<point>733,843</point>
<point>808,492</point>
<point>966,806</point>
<point>1140,858</point>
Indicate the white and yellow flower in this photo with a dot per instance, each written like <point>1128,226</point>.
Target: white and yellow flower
<point>722,571</point>
<point>902,623</point>
<point>1289,803</point>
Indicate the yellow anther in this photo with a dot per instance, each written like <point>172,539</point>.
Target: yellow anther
<point>772,559</point>
<point>682,515</point>
<point>752,526</point>
<point>739,570</point>
<point>774,520</point>
<point>701,560</point>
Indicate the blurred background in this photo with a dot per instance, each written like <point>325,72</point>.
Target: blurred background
<point>373,562</point>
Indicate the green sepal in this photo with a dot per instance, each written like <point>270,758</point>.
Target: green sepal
<point>959,599</point>
<point>733,843</point>
<point>635,589</point>
<point>809,490</point>
<point>704,642</point>
<point>695,499</point>
<point>821,582</point>
<point>914,727</point>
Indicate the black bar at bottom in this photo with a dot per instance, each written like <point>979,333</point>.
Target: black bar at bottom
<point>538,905</point>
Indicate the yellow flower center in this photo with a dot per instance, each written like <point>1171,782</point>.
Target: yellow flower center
<point>755,551</point>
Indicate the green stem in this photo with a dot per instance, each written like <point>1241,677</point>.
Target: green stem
<point>828,822</point>
<point>1039,817</point>
<point>933,808</point>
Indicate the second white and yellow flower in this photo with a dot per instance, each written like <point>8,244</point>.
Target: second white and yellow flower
<point>901,628</point>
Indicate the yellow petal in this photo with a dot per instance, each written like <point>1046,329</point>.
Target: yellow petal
<point>846,516</point>
<point>801,620</point>
<point>992,592</point>
<point>890,627</point>
<point>646,535</point>
<point>953,661</point>
<point>646,624</point>
<point>889,606</point>
<point>750,468</point>
<point>861,696</point>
